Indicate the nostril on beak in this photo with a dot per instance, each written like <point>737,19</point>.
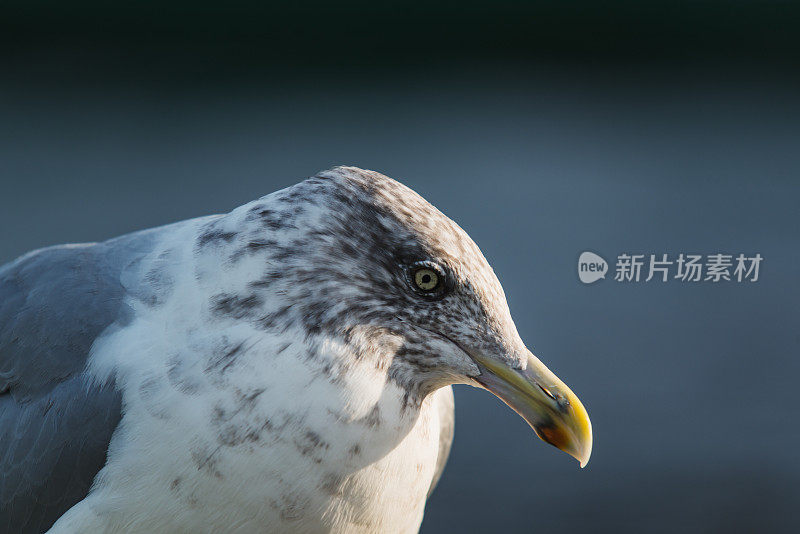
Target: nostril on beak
<point>546,391</point>
<point>561,400</point>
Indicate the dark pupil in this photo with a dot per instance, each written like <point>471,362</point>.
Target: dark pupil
<point>426,278</point>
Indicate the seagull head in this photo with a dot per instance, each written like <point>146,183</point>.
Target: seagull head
<point>375,265</point>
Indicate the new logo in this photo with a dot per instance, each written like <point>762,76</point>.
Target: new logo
<point>591,267</point>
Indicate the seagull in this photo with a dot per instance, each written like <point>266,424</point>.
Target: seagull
<point>285,367</point>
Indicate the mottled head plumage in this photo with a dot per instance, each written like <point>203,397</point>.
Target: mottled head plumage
<point>338,249</point>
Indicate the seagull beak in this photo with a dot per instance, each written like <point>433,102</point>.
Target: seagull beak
<point>544,401</point>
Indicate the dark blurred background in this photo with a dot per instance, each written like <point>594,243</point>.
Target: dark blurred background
<point>543,128</point>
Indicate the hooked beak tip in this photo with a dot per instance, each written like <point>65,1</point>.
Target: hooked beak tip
<point>553,411</point>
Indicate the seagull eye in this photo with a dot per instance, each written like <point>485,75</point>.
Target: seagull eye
<point>426,279</point>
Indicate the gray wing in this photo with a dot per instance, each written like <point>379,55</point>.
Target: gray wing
<point>447,420</point>
<point>55,425</point>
